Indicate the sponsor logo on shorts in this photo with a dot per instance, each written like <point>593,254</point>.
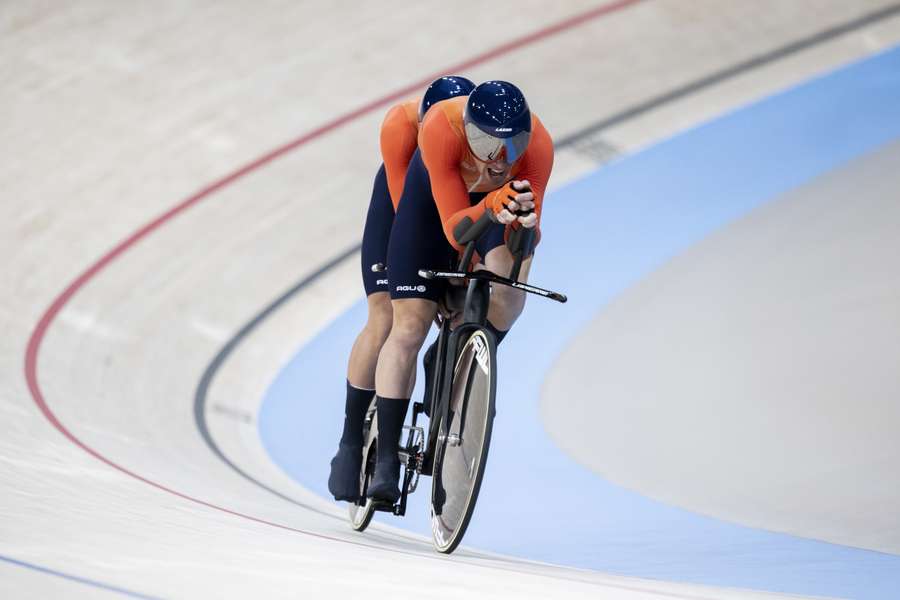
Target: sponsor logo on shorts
<point>381,282</point>
<point>411,288</point>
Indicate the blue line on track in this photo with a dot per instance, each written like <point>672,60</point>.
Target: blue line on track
<point>645,209</point>
<point>75,578</point>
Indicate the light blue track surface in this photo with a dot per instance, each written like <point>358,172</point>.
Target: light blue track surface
<point>601,235</point>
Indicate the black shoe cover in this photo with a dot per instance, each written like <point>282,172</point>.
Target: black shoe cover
<point>385,484</point>
<point>343,483</point>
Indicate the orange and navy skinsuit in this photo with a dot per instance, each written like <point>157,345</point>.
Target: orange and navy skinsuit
<point>455,173</point>
<point>446,183</point>
<point>399,133</point>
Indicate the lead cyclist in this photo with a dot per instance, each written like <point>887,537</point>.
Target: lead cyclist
<point>483,153</point>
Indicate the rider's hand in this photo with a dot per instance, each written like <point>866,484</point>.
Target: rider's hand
<point>515,196</point>
<point>528,221</point>
<point>523,201</point>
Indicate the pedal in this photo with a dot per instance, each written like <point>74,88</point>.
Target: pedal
<point>417,434</point>
<point>413,466</point>
<point>414,439</point>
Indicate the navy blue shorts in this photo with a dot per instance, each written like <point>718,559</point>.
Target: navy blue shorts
<point>417,239</point>
<point>376,235</point>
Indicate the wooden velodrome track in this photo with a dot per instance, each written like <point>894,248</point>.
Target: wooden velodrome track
<point>167,170</point>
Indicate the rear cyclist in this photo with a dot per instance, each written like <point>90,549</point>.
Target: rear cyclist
<point>485,153</point>
<point>399,133</point>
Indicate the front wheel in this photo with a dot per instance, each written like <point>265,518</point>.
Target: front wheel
<point>464,437</point>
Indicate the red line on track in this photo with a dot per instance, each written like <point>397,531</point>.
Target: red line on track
<point>40,330</point>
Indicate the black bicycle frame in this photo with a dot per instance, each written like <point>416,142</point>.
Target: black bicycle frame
<point>478,296</point>
<point>475,311</point>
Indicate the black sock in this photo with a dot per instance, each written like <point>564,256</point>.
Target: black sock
<point>499,335</point>
<point>391,412</point>
<point>354,414</point>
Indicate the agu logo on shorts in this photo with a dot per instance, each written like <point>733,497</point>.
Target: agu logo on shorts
<point>411,288</point>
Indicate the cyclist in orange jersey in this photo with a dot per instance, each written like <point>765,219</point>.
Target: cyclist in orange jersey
<point>485,153</point>
<point>399,132</point>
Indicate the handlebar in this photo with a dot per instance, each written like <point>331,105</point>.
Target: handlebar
<point>493,278</point>
<point>520,243</point>
<point>467,233</point>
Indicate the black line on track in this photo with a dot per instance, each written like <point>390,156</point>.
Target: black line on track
<point>202,391</point>
<point>727,73</point>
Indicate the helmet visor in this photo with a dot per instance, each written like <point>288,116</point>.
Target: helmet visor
<point>489,148</point>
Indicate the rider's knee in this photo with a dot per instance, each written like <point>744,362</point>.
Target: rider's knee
<point>410,329</point>
<point>509,300</point>
<point>381,315</point>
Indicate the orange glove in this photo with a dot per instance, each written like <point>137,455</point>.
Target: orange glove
<point>496,201</point>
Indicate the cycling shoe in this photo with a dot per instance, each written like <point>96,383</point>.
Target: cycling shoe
<point>385,484</point>
<point>343,483</point>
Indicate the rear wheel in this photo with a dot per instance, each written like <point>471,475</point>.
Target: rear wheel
<point>361,513</point>
<point>463,441</point>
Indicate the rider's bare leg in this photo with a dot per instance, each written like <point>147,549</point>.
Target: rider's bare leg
<point>506,303</point>
<point>394,380</point>
<point>364,355</point>
<point>343,482</point>
<point>396,371</point>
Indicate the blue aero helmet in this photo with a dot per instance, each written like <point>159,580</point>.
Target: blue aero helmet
<point>443,88</point>
<point>497,122</point>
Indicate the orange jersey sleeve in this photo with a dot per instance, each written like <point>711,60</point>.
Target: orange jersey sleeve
<point>399,133</point>
<point>444,148</point>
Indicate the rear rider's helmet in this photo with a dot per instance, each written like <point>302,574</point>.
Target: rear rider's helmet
<point>497,122</point>
<point>442,89</point>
